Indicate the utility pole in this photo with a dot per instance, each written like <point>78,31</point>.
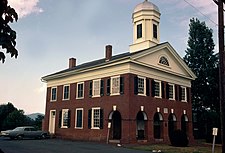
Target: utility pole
<point>221,70</point>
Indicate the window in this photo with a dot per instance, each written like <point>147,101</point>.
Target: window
<point>163,60</point>
<point>139,31</point>
<point>183,94</point>
<point>95,118</point>
<point>66,92</point>
<point>79,118</point>
<point>171,91</point>
<point>53,93</point>
<point>64,118</point>
<point>80,90</point>
<point>155,31</point>
<point>115,85</point>
<point>157,87</point>
<point>96,88</point>
<point>141,85</point>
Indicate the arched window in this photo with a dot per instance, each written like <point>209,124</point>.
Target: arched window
<point>158,125</point>
<point>163,60</point>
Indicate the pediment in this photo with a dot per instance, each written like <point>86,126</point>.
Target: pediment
<point>164,58</point>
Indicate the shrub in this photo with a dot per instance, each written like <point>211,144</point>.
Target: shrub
<point>179,138</point>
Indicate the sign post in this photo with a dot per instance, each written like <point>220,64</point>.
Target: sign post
<point>109,126</point>
<point>214,133</point>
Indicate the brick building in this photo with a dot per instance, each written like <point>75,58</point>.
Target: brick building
<point>138,96</point>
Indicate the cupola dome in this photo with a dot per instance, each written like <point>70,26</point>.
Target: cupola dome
<point>146,5</point>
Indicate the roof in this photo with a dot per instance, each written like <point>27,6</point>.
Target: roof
<point>95,63</point>
<point>146,5</point>
<point>115,58</point>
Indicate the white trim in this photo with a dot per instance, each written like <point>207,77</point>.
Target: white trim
<point>170,84</point>
<point>82,118</point>
<point>144,94</point>
<point>62,118</point>
<point>185,94</point>
<point>111,85</point>
<point>67,85</point>
<point>92,117</point>
<point>77,91</point>
<point>55,94</point>
<point>160,89</point>
<point>52,124</point>
<point>93,88</point>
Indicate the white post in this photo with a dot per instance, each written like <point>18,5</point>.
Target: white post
<point>109,126</point>
<point>214,133</point>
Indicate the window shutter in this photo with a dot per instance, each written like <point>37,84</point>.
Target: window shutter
<point>89,118</point>
<point>135,85</point>
<point>167,91</point>
<point>153,88</point>
<point>90,88</point>
<point>68,120</point>
<point>108,87</point>
<point>176,93</point>
<point>102,88</point>
<point>188,94</point>
<point>60,119</point>
<point>163,91</point>
<point>101,119</point>
<point>121,85</point>
<point>147,86</point>
<point>180,93</point>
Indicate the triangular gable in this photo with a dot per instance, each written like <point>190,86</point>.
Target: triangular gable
<point>151,57</point>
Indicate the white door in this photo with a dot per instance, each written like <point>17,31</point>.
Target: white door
<point>52,122</point>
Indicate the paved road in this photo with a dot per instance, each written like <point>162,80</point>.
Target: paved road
<point>59,146</point>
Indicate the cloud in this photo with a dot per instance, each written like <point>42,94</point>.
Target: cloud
<point>25,7</point>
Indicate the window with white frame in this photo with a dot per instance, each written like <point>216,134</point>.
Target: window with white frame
<point>171,91</point>
<point>80,90</point>
<point>65,118</point>
<point>183,94</point>
<point>157,88</point>
<point>95,118</point>
<point>141,85</point>
<point>115,85</point>
<point>66,92</point>
<point>96,88</point>
<point>79,118</point>
<point>53,93</point>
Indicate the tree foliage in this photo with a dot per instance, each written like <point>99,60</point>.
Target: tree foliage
<point>200,57</point>
<point>11,117</point>
<point>5,110</point>
<point>7,35</point>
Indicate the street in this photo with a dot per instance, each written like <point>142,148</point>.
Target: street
<point>59,146</point>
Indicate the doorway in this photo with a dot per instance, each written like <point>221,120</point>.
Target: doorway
<point>52,122</point>
<point>116,125</point>
<point>172,126</point>
<point>141,123</point>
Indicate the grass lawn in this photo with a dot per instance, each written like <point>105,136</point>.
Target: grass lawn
<point>200,147</point>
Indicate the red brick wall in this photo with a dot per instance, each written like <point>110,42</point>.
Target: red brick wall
<point>127,104</point>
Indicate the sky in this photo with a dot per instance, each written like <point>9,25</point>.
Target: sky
<point>49,32</point>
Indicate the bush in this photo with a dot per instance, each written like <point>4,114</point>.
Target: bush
<point>179,138</point>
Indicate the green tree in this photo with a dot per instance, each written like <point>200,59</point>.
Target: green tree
<point>5,110</point>
<point>200,57</point>
<point>38,122</point>
<point>14,119</point>
<point>7,35</point>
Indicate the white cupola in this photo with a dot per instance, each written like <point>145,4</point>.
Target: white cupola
<point>146,19</point>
